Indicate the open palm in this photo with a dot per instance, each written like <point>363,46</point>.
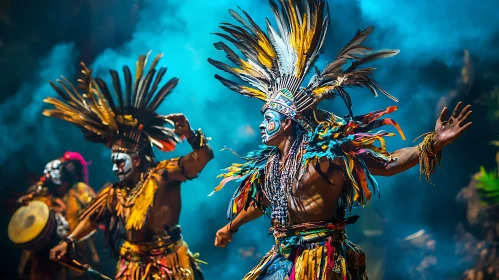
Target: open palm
<point>446,131</point>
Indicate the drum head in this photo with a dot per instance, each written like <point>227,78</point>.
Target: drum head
<point>28,222</point>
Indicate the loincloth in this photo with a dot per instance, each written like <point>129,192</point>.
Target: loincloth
<point>319,250</point>
<point>162,258</point>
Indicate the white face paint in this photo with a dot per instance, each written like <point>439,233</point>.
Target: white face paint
<point>122,165</point>
<point>53,171</point>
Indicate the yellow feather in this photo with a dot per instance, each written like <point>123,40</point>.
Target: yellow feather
<point>139,67</point>
<point>155,61</point>
<point>256,93</point>
<point>321,90</point>
<point>264,60</point>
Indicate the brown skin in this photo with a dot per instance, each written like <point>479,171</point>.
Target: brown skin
<point>167,204</point>
<point>314,199</point>
<point>60,191</point>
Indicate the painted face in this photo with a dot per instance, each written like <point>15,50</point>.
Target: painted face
<point>53,171</point>
<point>122,165</point>
<point>271,125</point>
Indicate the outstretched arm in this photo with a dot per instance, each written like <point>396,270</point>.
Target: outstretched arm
<point>83,229</point>
<point>251,213</point>
<point>224,235</point>
<point>95,212</point>
<point>190,165</point>
<point>445,133</point>
<point>406,159</point>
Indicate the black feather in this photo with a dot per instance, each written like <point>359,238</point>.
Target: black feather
<point>370,57</point>
<point>231,85</point>
<point>117,89</point>
<point>59,91</point>
<point>358,39</point>
<point>162,93</point>
<point>128,88</point>
<point>223,66</point>
<point>144,88</point>
<point>161,72</point>
<point>247,52</point>
<point>107,94</point>
<point>334,66</point>
<point>238,17</point>
<point>346,98</point>
<point>231,55</point>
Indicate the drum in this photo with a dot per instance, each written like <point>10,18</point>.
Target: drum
<point>33,226</point>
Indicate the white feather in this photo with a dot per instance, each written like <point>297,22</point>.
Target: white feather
<point>285,53</point>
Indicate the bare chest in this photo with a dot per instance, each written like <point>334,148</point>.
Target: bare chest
<point>314,197</point>
<point>310,182</point>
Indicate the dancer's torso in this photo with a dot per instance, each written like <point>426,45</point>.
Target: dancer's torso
<point>313,197</point>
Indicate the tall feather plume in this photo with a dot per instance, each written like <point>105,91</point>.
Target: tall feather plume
<point>92,108</point>
<point>84,109</point>
<point>278,55</point>
<point>293,49</point>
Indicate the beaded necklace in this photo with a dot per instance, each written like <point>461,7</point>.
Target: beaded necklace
<point>279,180</point>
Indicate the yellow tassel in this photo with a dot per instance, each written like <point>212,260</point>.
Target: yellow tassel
<point>138,212</point>
<point>311,264</point>
<point>428,159</point>
<point>319,252</point>
<point>301,266</point>
<point>343,267</point>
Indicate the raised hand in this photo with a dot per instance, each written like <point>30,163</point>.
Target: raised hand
<point>446,131</point>
<point>182,126</point>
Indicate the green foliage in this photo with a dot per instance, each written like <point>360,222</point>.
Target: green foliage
<point>488,186</point>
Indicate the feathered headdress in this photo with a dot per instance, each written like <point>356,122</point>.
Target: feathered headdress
<point>126,121</point>
<point>276,62</point>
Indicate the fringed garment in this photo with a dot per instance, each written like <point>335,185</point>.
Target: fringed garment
<point>167,257</point>
<point>310,251</point>
<point>118,209</point>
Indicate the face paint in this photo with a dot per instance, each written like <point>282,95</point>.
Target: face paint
<point>270,126</point>
<point>53,171</point>
<point>122,165</point>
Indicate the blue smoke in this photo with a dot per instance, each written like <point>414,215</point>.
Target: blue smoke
<point>21,124</point>
<point>427,33</point>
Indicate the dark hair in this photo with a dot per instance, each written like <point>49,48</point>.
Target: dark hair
<point>146,156</point>
<point>71,171</point>
<point>296,127</point>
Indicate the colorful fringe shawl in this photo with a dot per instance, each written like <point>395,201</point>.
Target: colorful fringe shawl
<point>311,251</point>
<point>349,139</point>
